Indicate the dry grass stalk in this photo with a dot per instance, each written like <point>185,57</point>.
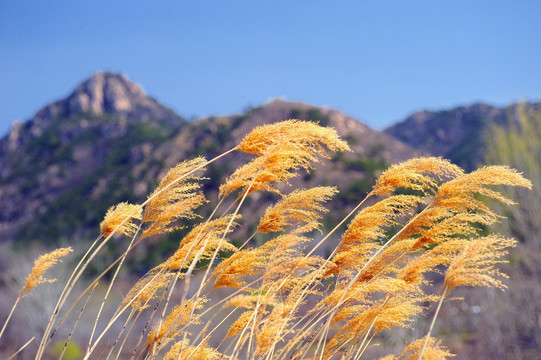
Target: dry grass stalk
<point>41,265</point>
<point>294,303</point>
<point>116,215</point>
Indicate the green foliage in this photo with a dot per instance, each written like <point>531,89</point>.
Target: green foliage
<point>519,145</point>
<point>72,352</point>
<point>357,189</point>
<point>312,114</point>
<point>116,169</point>
<point>365,164</point>
<point>369,166</point>
<point>317,116</point>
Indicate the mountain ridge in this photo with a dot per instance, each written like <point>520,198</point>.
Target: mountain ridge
<point>458,134</point>
<point>104,125</point>
<point>108,142</point>
<point>102,93</point>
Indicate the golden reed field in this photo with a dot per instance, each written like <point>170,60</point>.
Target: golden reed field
<point>419,234</point>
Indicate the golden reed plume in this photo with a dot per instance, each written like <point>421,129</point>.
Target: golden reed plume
<point>41,265</point>
<point>274,296</point>
<point>121,216</point>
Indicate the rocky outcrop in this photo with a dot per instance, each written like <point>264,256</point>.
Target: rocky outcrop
<point>102,95</point>
<point>105,92</point>
<point>113,94</point>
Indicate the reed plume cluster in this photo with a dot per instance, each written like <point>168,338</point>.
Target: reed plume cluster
<point>424,218</point>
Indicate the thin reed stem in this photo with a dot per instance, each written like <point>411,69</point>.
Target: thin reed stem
<point>92,284</point>
<point>188,277</point>
<point>91,257</point>
<point>124,326</point>
<point>240,342</point>
<point>374,257</point>
<point>10,314</point>
<point>75,324</point>
<point>443,294</point>
<point>215,327</point>
<point>62,298</point>
<point>337,227</point>
<point>134,321</point>
<point>310,283</point>
<point>364,344</point>
<point>215,253</point>
<point>111,283</point>
<point>20,349</point>
<point>115,317</point>
<point>217,250</point>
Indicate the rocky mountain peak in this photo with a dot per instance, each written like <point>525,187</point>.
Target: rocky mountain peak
<point>107,93</point>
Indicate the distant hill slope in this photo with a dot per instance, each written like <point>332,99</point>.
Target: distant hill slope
<point>61,169</point>
<point>372,150</point>
<point>108,142</point>
<point>457,134</point>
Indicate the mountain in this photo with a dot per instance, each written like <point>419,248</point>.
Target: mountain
<point>108,142</point>
<point>372,150</point>
<point>59,169</point>
<point>457,134</point>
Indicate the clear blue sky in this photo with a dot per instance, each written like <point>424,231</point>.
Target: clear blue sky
<point>375,60</point>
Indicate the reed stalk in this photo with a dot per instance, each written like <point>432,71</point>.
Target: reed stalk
<point>295,303</point>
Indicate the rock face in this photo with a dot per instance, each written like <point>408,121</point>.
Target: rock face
<point>104,95</point>
<point>114,95</point>
<point>106,92</point>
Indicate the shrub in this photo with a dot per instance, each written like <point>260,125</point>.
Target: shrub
<point>283,300</point>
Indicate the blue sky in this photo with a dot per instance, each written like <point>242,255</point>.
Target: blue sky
<point>375,60</point>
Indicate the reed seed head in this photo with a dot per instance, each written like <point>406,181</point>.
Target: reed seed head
<point>420,174</point>
<point>277,165</point>
<point>146,289</point>
<point>41,265</point>
<point>433,351</point>
<point>476,264</point>
<point>173,324</point>
<point>300,206</point>
<point>123,213</point>
<point>175,198</point>
<point>305,134</point>
<point>232,271</point>
<point>183,351</point>
<point>203,238</point>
